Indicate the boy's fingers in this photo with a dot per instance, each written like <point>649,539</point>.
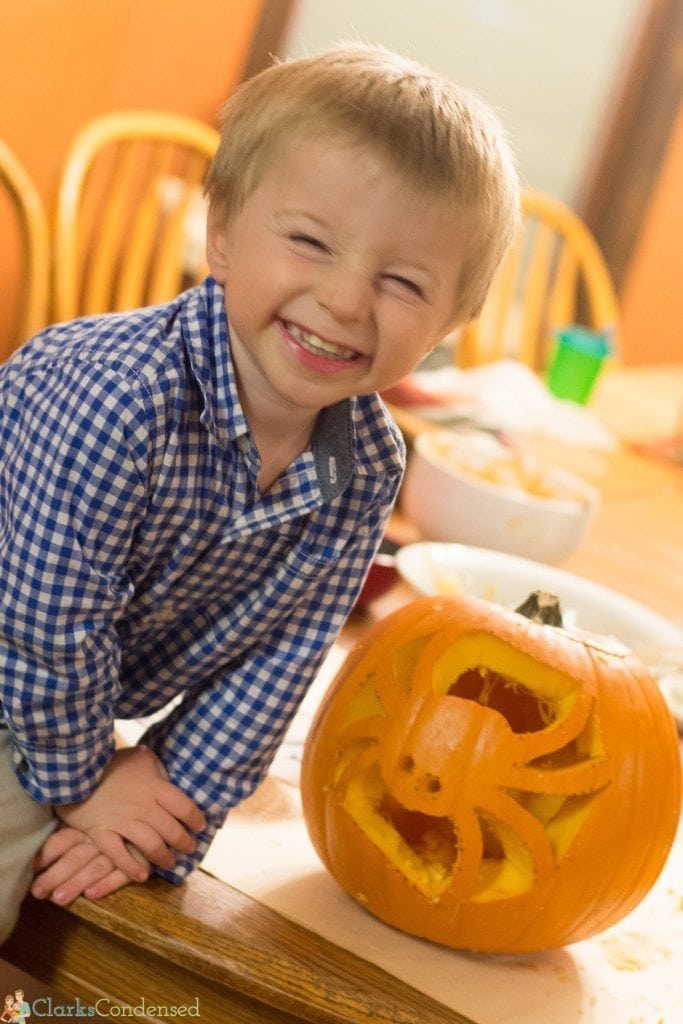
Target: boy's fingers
<point>149,842</point>
<point>110,883</point>
<point>121,856</point>
<point>178,838</point>
<point>55,846</point>
<point>81,862</point>
<point>175,835</point>
<point>114,879</point>
<point>67,891</point>
<point>182,807</point>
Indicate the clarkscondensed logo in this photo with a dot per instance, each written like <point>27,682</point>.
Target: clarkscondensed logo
<point>18,1010</point>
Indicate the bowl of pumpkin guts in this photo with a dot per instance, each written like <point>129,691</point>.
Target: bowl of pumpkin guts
<point>490,780</point>
<point>469,487</point>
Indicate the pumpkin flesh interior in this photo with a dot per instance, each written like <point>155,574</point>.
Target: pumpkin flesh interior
<point>424,848</point>
<point>527,692</point>
<point>506,867</point>
<point>532,697</point>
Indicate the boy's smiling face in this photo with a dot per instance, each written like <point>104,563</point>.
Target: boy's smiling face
<point>338,277</point>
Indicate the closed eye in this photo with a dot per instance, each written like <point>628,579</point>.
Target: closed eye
<point>405,282</point>
<point>309,241</point>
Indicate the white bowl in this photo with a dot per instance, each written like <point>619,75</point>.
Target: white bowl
<point>468,488</point>
<point>433,569</point>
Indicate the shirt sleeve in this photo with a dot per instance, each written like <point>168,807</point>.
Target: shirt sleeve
<point>72,491</point>
<point>218,743</point>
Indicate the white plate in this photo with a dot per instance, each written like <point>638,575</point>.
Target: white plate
<point>509,579</point>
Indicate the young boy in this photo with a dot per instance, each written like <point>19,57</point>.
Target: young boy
<point>191,495</point>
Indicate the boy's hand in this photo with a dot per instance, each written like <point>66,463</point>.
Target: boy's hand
<point>134,801</point>
<point>69,864</point>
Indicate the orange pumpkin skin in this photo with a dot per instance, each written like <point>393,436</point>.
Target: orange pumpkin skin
<point>489,783</point>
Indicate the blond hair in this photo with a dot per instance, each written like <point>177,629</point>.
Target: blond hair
<point>441,138</point>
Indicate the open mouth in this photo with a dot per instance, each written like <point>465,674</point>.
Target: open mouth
<point>318,346</point>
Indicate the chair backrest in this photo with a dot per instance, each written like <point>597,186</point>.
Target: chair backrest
<point>34,275</point>
<point>129,225</point>
<point>555,277</point>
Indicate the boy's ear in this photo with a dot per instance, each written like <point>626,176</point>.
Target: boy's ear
<point>217,245</point>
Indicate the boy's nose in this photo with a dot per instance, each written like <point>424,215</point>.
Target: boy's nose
<point>345,294</point>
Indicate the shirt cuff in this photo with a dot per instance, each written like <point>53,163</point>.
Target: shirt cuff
<point>61,776</point>
<point>186,864</point>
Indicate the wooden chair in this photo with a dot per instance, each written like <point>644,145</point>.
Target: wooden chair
<point>555,277</point>
<point>130,218</point>
<point>27,206</point>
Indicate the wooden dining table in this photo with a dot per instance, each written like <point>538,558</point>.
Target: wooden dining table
<point>204,944</point>
<point>635,544</point>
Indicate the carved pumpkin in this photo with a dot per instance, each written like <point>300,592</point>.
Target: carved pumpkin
<point>490,782</point>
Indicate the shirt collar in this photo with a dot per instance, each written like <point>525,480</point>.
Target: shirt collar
<point>333,449</point>
<point>205,329</point>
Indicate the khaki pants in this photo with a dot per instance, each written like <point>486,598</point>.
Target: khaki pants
<point>24,827</point>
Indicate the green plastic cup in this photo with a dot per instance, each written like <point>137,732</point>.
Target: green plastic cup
<point>577,360</point>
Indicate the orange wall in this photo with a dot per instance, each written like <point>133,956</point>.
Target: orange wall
<point>63,62</point>
<point>652,293</point>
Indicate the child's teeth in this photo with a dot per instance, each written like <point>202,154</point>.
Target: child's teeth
<point>312,341</point>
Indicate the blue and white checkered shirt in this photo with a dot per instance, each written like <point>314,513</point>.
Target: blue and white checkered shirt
<point>140,564</point>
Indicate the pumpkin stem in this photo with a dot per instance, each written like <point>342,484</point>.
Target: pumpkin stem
<point>542,607</point>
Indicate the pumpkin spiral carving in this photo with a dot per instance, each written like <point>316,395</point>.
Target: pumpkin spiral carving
<point>489,782</point>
